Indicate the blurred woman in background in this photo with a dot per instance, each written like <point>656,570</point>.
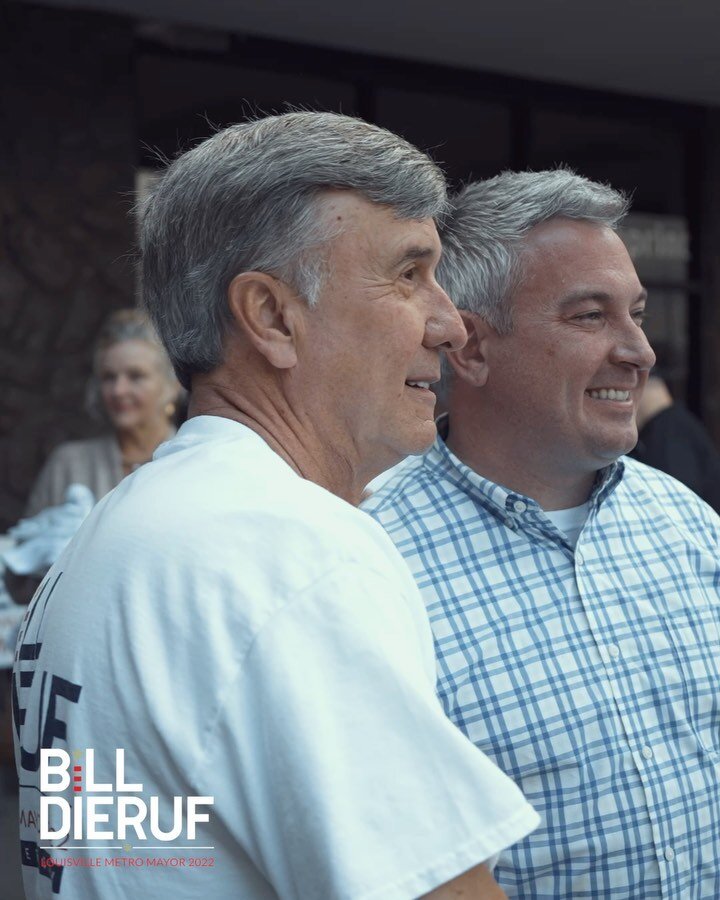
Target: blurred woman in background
<point>134,389</point>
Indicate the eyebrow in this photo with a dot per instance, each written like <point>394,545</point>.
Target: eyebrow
<point>599,296</point>
<point>413,253</point>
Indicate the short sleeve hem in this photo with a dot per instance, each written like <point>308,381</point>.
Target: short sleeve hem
<point>471,854</point>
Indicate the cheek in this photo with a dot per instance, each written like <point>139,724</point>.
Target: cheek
<point>152,394</point>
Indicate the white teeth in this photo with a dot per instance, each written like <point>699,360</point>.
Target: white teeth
<point>609,394</point>
<point>422,384</point>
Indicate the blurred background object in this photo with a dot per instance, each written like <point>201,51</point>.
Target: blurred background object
<point>133,392</point>
<point>671,438</point>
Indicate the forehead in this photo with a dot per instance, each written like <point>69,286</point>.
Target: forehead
<point>374,231</point>
<point>563,257</point>
<point>133,352</point>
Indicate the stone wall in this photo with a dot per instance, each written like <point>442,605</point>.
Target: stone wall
<point>67,156</point>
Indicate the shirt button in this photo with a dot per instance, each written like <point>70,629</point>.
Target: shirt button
<point>648,754</point>
<point>669,854</point>
<point>519,506</point>
<point>613,650</point>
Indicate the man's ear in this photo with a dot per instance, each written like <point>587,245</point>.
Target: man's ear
<point>470,362</point>
<point>265,310</point>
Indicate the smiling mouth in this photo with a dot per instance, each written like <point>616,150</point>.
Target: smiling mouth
<point>608,394</point>
<point>419,384</point>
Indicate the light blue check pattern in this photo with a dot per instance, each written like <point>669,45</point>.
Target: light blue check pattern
<point>591,677</point>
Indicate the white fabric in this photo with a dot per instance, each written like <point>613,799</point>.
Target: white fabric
<point>570,522</point>
<point>11,613</point>
<point>40,539</point>
<point>244,634</point>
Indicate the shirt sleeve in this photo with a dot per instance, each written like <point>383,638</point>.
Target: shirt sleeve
<point>345,779</point>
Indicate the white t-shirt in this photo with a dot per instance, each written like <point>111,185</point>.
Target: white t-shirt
<point>570,521</point>
<point>244,634</point>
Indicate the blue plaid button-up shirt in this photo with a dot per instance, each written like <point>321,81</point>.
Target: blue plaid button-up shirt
<point>592,677</point>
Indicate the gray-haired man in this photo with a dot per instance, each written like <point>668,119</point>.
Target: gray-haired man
<point>574,596</point>
<point>253,643</point>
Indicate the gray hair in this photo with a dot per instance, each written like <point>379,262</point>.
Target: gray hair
<point>250,198</point>
<point>482,236</point>
<point>126,325</point>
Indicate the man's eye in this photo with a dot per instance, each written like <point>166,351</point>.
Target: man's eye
<point>640,316</point>
<point>409,274</point>
<point>594,316</point>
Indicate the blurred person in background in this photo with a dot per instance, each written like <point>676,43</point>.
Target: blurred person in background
<point>134,390</point>
<point>672,439</point>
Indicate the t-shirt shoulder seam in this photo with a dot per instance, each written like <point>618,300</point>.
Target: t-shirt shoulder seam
<point>270,617</point>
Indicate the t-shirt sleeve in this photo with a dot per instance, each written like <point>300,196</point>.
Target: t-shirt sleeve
<point>344,777</point>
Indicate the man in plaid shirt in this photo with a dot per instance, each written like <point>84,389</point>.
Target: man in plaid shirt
<point>574,594</point>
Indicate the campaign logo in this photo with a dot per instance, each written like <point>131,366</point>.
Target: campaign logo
<point>109,810</point>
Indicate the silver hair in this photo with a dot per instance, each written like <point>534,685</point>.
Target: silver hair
<point>250,198</point>
<point>483,233</point>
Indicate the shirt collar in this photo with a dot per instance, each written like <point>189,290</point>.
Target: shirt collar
<point>500,499</point>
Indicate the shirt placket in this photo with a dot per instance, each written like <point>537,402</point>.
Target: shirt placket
<point>594,588</point>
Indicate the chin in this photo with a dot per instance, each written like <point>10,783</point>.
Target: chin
<point>120,423</point>
<point>421,441</point>
<point>611,453</point>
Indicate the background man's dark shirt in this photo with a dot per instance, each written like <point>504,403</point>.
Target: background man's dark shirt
<point>676,442</point>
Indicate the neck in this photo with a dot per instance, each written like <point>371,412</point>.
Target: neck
<point>138,444</point>
<point>511,463</point>
<point>291,436</point>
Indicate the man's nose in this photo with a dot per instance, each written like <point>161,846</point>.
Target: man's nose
<point>633,348</point>
<point>444,329</point>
